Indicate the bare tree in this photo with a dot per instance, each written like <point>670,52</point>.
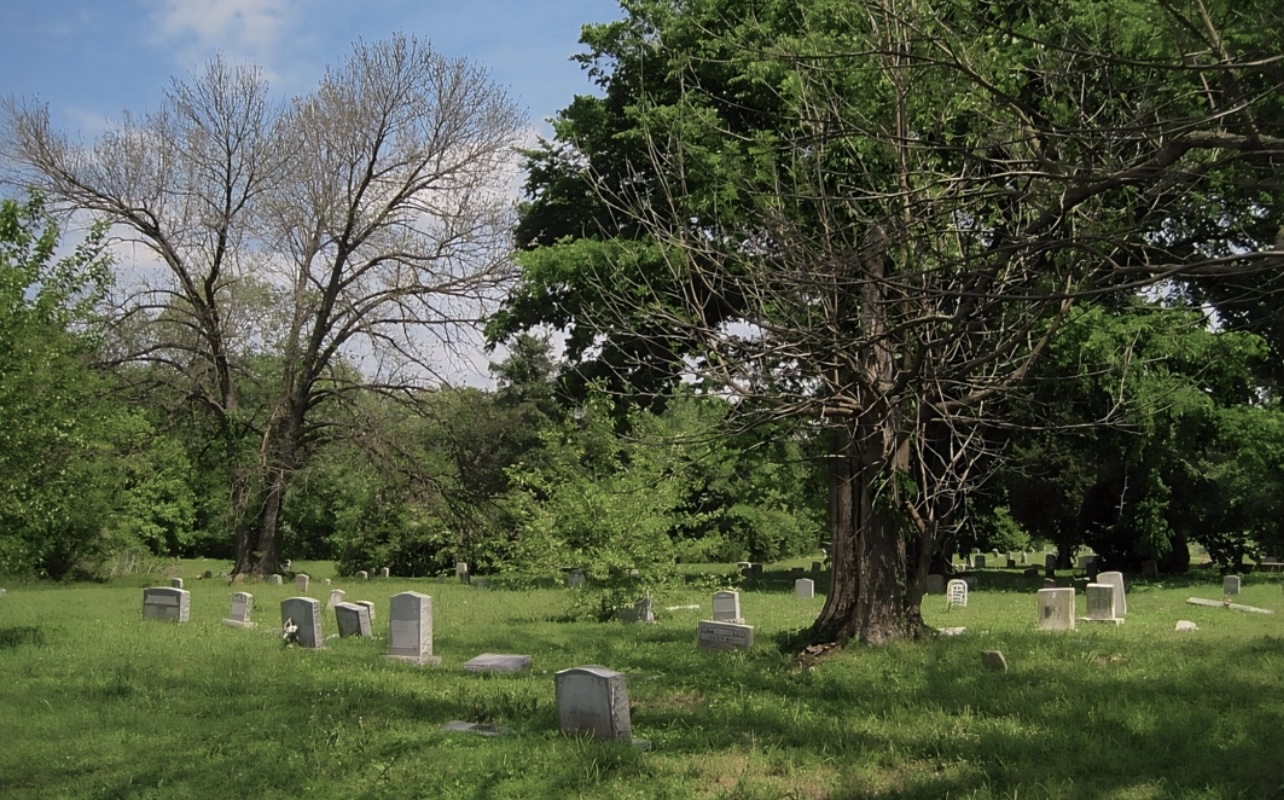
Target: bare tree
<point>364,222</point>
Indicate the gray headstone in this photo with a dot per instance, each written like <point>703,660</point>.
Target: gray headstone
<point>1230,584</point>
<point>816,566</point>
<point>176,583</point>
<point>305,613</point>
<point>1023,558</point>
<point>1116,579</point>
<point>756,570</point>
<point>1149,570</point>
<point>461,571</point>
<point>715,635</point>
<point>287,565</point>
<point>479,728</point>
<point>994,661</point>
<point>978,562</point>
<point>726,607</point>
<point>275,580</point>
<point>593,699</point>
<point>336,597</point>
<point>410,628</point>
<point>935,584</point>
<point>1056,610</point>
<point>301,582</point>
<point>805,588</point>
<point>1011,563</point>
<point>743,565</point>
<point>1101,604</point>
<point>1049,583</point>
<point>498,662</point>
<point>1050,561</point>
<point>353,620</point>
<point>362,575</point>
<point>956,594</point>
<point>167,604</point>
<point>242,605</point>
<point>643,611</point>
<point>574,578</point>
<point>370,606</point>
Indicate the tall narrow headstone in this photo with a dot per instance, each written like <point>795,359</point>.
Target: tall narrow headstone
<point>1101,604</point>
<point>242,605</point>
<point>336,597</point>
<point>805,588</point>
<point>353,620</point>
<point>167,604</point>
<point>305,614</point>
<point>756,569</point>
<point>815,566</point>
<point>1116,579</point>
<point>301,582</point>
<point>715,635</point>
<point>1056,609</point>
<point>593,699</point>
<point>461,571</point>
<point>935,584</point>
<point>956,594</point>
<point>1230,584</point>
<point>726,607</point>
<point>1024,558</point>
<point>410,628</point>
<point>385,572</point>
<point>1050,561</point>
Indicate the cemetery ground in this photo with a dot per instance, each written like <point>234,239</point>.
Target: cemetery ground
<point>95,702</point>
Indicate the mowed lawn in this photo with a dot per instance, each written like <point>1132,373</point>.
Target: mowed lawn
<point>97,703</point>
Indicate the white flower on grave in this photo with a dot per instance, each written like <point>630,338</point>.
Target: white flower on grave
<point>290,632</point>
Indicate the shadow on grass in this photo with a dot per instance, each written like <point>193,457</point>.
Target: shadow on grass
<point>17,635</point>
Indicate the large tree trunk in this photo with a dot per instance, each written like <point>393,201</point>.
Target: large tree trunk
<point>257,543</point>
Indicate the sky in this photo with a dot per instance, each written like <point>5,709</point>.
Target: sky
<point>89,60</point>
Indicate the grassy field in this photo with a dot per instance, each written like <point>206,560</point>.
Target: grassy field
<point>96,703</point>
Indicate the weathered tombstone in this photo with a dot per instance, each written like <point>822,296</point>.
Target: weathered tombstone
<point>816,566</point>
<point>743,565</point>
<point>1101,604</point>
<point>978,562</point>
<point>1050,561</point>
<point>1084,561</point>
<point>242,605</point>
<point>497,662</point>
<point>301,582</point>
<point>994,661</point>
<point>410,628</point>
<point>593,699</point>
<point>369,604</point>
<point>305,613</point>
<point>714,635</point>
<point>726,607</point>
<point>362,575</point>
<point>336,597</point>
<point>354,620</point>
<point>176,583</point>
<point>1149,570</point>
<point>956,594</point>
<point>1230,584</point>
<point>461,571</point>
<point>756,570</point>
<point>167,604</point>
<point>805,588</point>
<point>574,578</point>
<point>385,572</point>
<point>1049,583</point>
<point>797,572</point>
<point>643,611</point>
<point>935,584</point>
<point>976,551</point>
<point>1024,559</point>
<point>1116,579</point>
<point>1011,563</point>
<point>275,580</point>
<point>1056,609</point>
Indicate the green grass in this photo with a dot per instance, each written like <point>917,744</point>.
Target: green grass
<point>95,703</point>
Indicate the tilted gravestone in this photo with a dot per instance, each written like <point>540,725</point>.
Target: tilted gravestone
<point>935,584</point>
<point>805,588</point>
<point>167,604</point>
<point>410,628</point>
<point>726,607</point>
<point>994,661</point>
<point>1116,580</point>
<point>1230,584</point>
<point>956,594</point>
<point>594,699</point>
<point>369,604</point>
<point>301,582</point>
<point>1056,610</point>
<point>242,605</point>
<point>305,614</point>
<point>336,597</point>
<point>716,635</point>
<point>353,620</point>
<point>1101,604</point>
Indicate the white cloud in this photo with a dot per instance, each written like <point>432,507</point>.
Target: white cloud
<point>253,31</point>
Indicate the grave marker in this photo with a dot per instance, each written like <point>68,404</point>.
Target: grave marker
<point>994,661</point>
<point>1050,561</point>
<point>643,611</point>
<point>176,583</point>
<point>1056,609</point>
<point>978,562</point>
<point>1230,585</point>
<point>714,635</point>
<point>336,597</point>
<point>362,575</point>
<point>410,628</point>
<point>574,578</point>
<point>1101,604</point>
<point>593,699</point>
<point>369,604</point>
<point>242,604</point>
<point>167,604</point>
<point>498,662</point>
<point>275,580</point>
<point>805,588</point>
<point>1149,570</point>
<point>726,607</point>
<point>956,594</point>
<point>353,620</point>
<point>305,613</point>
<point>935,584</point>
<point>461,571</point>
<point>385,572</point>
<point>1116,579</point>
<point>301,582</point>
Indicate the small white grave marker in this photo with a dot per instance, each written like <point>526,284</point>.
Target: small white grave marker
<point>1056,609</point>
<point>336,597</point>
<point>275,580</point>
<point>805,588</point>
<point>242,605</point>
<point>176,583</point>
<point>461,571</point>
<point>1101,604</point>
<point>726,607</point>
<point>301,582</point>
<point>362,575</point>
<point>498,662</point>
<point>593,699</point>
<point>956,594</point>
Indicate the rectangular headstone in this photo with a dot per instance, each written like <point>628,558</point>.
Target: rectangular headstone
<point>1116,579</point>
<point>1084,561</point>
<point>369,604</point>
<point>816,566</point>
<point>353,620</point>
<point>385,572</point>
<point>167,604</point>
<point>362,575</point>
<point>1056,610</point>
<point>242,605</point>
<point>176,583</point>
<point>1050,561</point>
<point>726,607</point>
<point>275,580</point>
<point>715,635</point>
<point>1149,570</point>
<point>1101,604</point>
<point>1024,558</point>
<point>756,569</point>
<point>574,578</point>
<point>978,562</point>
<point>336,597</point>
<point>461,571</point>
<point>1230,584</point>
<point>301,582</point>
<point>593,699</point>
<point>805,588</point>
<point>305,613</point>
<point>643,611</point>
<point>497,662</point>
<point>410,628</point>
<point>935,584</point>
<point>956,594</point>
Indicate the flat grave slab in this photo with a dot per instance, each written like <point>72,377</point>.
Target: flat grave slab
<point>479,728</point>
<point>1199,601</point>
<point>498,662</point>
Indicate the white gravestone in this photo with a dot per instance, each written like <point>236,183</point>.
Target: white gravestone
<point>362,575</point>
<point>956,594</point>
<point>461,571</point>
<point>275,580</point>
<point>498,662</point>
<point>410,628</point>
<point>301,582</point>
<point>336,597</point>
<point>167,604</point>
<point>242,605</point>
<point>1116,579</point>
<point>353,620</point>
<point>593,699</point>
<point>715,635</point>
<point>805,588</point>
<point>385,572</point>
<point>1056,609</point>
<point>726,607</point>
<point>1230,584</point>
<point>1101,604</point>
<point>369,604</point>
<point>305,613</point>
<point>176,583</point>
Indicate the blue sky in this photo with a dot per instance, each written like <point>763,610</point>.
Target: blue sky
<point>89,59</point>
